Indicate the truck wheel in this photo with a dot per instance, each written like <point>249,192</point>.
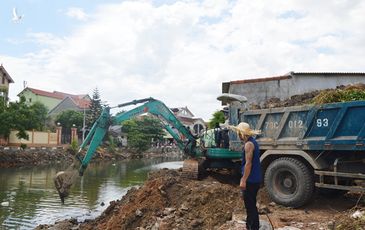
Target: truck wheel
<point>289,182</point>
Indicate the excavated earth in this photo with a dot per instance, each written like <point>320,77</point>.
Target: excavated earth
<point>168,201</point>
<point>313,97</point>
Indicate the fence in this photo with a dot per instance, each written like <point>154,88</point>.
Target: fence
<point>37,138</point>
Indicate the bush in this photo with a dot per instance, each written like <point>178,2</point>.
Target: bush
<point>349,93</point>
<point>74,147</point>
<point>112,145</point>
<point>23,146</point>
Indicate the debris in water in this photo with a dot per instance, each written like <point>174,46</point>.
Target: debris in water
<point>5,204</point>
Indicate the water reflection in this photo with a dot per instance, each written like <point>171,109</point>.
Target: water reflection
<point>33,199</point>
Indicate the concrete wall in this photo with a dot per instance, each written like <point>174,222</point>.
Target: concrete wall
<point>36,138</point>
<point>258,91</point>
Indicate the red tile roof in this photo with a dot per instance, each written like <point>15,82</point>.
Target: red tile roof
<point>56,94</point>
<point>45,93</point>
<point>81,103</point>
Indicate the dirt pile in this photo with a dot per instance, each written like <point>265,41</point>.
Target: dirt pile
<point>354,92</point>
<point>167,201</point>
<point>341,93</point>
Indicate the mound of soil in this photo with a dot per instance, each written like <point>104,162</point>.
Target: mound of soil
<point>341,93</point>
<point>167,201</point>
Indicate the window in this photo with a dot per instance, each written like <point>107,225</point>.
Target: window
<point>3,80</point>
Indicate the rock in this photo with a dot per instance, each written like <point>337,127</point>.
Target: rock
<point>139,213</point>
<point>263,209</point>
<point>357,214</point>
<point>264,225</point>
<point>238,217</point>
<point>184,208</point>
<point>288,228</point>
<point>195,223</point>
<point>168,211</point>
<point>272,204</point>
<point>156,226</point>
<point>102,203</point>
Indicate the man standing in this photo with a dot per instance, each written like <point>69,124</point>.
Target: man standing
<point>251,172</point>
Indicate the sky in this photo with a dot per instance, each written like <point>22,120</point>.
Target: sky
<point>179,52</point>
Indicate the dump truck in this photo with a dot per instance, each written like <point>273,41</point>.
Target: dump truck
<point>306,147</point>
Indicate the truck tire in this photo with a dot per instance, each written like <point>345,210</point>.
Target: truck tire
<point>289,182</point>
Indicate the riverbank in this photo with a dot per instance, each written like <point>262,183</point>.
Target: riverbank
<point>168,201</point>
<point>11,157</point>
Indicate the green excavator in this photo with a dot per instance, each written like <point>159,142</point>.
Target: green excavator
<point>200,156</point>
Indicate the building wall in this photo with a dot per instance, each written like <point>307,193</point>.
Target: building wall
<point>4,87</point>
<point>31,98</point>
<point>66,104</point>
<point>259,92</point>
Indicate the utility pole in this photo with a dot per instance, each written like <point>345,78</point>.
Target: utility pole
<point>83,126</point>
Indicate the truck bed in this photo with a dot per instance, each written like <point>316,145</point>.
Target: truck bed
<point>335,126</point>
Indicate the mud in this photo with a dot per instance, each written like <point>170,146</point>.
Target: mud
<point>167,201</point>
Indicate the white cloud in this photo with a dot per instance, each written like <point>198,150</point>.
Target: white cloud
<point>182,52</point>
<point>77,13</point>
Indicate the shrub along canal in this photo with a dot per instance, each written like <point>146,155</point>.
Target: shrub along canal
<point>28,197</point>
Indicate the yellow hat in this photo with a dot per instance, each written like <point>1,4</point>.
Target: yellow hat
<point>244,129</point>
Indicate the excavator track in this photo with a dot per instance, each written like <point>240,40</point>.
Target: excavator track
<point>190,169</point>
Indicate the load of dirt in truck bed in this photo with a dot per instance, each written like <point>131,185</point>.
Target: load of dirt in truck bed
<point>168,201</point>
<point>354,92</point>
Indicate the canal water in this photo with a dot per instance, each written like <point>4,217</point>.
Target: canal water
<point>28,197</point>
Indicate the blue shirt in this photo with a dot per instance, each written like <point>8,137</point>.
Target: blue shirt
<point>255,175</point>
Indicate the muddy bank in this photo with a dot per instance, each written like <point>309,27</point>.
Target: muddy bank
<point>17,157</point>
<point>167,201</point>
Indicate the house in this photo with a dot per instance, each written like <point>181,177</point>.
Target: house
<point>56,101</point>
<point>259,90</point>
<point>71,103</point>
<point>196,125</point>
<point>5,80</point>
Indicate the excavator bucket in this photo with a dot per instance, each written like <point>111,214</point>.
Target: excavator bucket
<point>63,182</point>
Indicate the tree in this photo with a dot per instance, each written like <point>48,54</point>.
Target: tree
<point>19,116</point>
<point>218,117</point>
<point>141,132</point>
<point>5,119</point>
<point>95,108</point>
<point>69,118</point>
<point>39,116</point>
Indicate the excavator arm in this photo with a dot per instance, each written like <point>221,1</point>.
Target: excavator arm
<point>183,137</point>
